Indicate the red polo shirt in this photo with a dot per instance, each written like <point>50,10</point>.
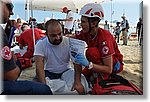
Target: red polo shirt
<point>105,43</point>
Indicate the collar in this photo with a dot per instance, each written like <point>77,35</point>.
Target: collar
<point>3,25</point>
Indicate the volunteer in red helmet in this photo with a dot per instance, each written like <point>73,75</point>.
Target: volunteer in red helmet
<point>103,55</point>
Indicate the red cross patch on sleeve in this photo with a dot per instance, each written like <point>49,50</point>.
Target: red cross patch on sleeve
<point>6,53</point>
<point>105,50</point>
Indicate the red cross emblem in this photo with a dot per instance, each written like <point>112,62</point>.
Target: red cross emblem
<point>105,50</point>
<point>6,53</point>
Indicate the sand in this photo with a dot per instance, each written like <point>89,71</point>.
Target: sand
<point>133,63</point>
<point>133,69</point>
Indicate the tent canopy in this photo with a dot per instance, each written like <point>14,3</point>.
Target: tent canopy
<point>57,5</point>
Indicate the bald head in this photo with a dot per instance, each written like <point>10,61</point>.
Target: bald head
<point>54,31</point>
<point>52,25</point>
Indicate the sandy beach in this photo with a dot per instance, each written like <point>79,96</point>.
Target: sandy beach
<point>133,63</point>
<point>133,68</point>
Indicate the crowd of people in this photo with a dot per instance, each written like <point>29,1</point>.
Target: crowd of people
<point>121,30</point>
<point>51,50</point>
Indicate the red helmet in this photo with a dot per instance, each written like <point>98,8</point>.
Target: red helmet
<point>92,10</point>
<point>64,8</point>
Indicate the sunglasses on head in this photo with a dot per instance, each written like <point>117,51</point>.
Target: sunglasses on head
<point>10,6</point>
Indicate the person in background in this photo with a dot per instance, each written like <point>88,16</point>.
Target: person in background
<point>30,21</point>
<point>18,30</point>
<point>77,26</point>
<point>139,30</point>
<point>19,23</point>
<point>125,27</point>
<point>12,33</point>
<point>8,28</point>
<point>24,27</point>
<point>68,25</point>
<point>117,31</point>
<point>26,39</point>
<point>12,86</point>
<point>34,23</point>
<point>106,25</point>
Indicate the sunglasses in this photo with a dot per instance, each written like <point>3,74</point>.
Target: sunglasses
<point>10,6</point>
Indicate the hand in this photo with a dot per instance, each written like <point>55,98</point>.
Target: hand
<point>79,87</point>
<point>117,66</point>
<point>81,59</point>
<point>60,19</point>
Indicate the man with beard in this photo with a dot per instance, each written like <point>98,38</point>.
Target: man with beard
<point>52,59</point>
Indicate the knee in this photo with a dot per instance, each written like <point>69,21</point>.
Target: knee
<point>41,89</point>
<point>93,55</point>
<point>46,90</point>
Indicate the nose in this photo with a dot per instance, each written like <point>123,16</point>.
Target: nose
<point>11,12</point>
<point>58,37</point>
<point>81,24</point>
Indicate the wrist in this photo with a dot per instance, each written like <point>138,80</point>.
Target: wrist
<point>77,81</point>
<point>90,66</point>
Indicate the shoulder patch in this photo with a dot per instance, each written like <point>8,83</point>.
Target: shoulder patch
<point>105,50</point>
<point>6,53</point>
<point>78,33</point>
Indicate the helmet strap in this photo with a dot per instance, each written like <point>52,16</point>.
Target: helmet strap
<point>90,28</point>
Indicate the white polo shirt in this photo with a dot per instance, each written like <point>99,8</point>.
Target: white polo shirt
<point>69,24</point>
<point>56,57</point>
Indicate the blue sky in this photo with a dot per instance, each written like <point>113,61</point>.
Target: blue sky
<point>129,7</point>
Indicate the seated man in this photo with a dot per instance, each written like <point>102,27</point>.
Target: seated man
<point>52,59</point>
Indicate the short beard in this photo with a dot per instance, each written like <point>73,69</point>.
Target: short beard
<point>53,43</point>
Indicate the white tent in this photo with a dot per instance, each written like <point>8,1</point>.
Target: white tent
<point>57,5</point>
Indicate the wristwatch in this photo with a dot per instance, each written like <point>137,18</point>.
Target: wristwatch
<point>90,65</point>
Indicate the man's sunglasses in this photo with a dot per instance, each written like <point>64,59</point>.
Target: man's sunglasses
<point>10,6</point>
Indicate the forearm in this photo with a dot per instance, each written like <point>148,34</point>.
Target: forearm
<point>106,67</point>
<point>102,68</point>
<point>12,74</point>
<point>78,71</point>
<point>40,74</point>
<point>40,70</point>
<point>69,19</point>
<point>77,80</point>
